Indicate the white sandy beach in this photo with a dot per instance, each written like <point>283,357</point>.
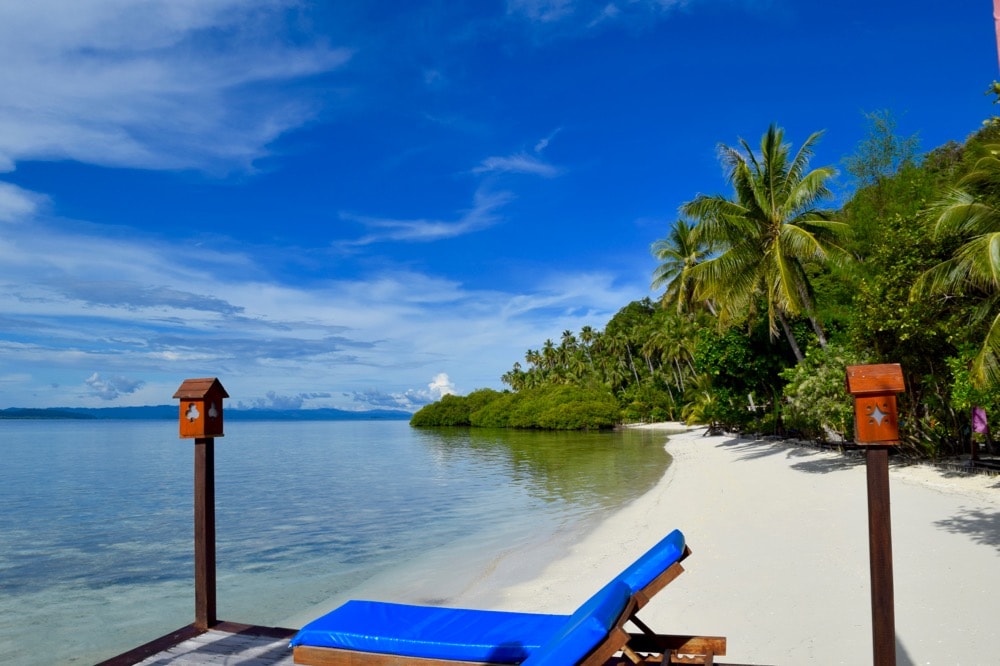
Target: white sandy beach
<point>780,567</point>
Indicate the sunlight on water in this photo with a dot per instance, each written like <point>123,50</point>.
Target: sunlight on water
<point>97,525</point>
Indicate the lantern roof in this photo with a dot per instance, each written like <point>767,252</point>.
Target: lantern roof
<point>200,389</point>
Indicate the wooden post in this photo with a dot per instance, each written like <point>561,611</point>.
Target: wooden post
<point>204,533</point>
<point>876,427</point>
<point>200,418</point>
<point>880,557</point>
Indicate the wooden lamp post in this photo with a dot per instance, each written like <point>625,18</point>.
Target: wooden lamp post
<point>876,428</point>
<point>201,420</point>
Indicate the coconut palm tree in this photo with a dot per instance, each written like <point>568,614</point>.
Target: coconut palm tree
<point>975,266</point>
<point>765,233</point>
<point>679,252</point>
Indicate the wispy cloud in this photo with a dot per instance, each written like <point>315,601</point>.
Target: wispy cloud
<point>90,319</point>
<point>587,14</point>
<point>155,84</point>
<point>484,213</point>
<point>523,162</point>
<point>518,163</point>
<point>545,11</point>
<point>17,204</point>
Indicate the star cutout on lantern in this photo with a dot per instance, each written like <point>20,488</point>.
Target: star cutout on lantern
<point>878,415</point>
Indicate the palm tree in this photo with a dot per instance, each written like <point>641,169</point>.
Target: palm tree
<point>766,233</point>
<point>679,252</point>
<point>976,264</point>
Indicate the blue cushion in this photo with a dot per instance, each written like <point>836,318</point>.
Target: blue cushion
<point>584,629</point>
<point>654,562</point>
<point>431,632</point>
<point>494,636</point>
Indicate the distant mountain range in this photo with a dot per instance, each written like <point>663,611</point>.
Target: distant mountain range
<point>169,412</point>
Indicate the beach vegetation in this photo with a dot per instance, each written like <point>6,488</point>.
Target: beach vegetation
<point>554,407</point>
<point>815,404</point>
<point>766,294</point>
<point>766,233</point>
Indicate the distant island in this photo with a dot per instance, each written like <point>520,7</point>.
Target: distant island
<point>169,412</point>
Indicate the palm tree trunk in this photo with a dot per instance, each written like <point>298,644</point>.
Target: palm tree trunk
<point>791,338</point>
<point>817,327</point>
<point>820,334</point>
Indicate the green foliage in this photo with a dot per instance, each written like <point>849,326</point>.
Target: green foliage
<point>815,400</point>
<point>551,408</point>
<point>454,410</point>
<point>766,234</point>
<point>548,408</point>
<point>882,152</point>
<point>843,280</point>
<point>649,402</point>
<point>964,393</point>
<point>744,369</point>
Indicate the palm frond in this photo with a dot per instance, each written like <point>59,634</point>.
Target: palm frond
<point>985,368</point>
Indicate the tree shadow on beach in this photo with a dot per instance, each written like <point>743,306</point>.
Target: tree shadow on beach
<point>955,473</point>
<point>753,449</point>
<point>981,526</point>
<point>828,464</point>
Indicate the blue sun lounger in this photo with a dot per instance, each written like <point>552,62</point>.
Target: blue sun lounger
<point>373,633</point>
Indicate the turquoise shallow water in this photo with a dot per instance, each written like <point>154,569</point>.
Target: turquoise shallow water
<point>96,553</point>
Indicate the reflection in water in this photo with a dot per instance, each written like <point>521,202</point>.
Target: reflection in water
<point>606,469</point>
<point>97,518</point>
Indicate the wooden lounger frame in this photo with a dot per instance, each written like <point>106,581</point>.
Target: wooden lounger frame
<point>619,648</point>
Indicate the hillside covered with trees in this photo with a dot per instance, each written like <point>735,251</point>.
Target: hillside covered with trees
<point>767,294</point>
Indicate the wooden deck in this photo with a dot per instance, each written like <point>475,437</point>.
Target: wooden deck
<point>230,644</point>
<point>227,643</point>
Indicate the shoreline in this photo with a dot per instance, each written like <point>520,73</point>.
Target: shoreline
<point>780,567</point>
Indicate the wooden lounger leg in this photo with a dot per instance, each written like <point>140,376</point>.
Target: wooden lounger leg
<point>674,649</point>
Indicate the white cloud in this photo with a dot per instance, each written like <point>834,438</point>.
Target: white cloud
<point>544,142</point>
<point>16,203</point>
<point>154,313</point>
<point>441,386</point>
<point>588,14</point>
<point>155,84</point>
<point>112,387</point>
<point>544,11</point>
<point>517,163</point>
<point>483,214</point>
<point>409,400</point>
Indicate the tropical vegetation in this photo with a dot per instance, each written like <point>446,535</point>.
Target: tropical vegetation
<point>767,293</point>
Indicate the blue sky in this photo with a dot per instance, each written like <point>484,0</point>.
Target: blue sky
<point>364,204</point>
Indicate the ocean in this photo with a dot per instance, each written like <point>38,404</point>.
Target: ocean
<point>96,546</point>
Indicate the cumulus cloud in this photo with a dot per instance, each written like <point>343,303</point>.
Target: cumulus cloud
<point>410,400</point>
<point>112,387</point>
<point>441,386</point>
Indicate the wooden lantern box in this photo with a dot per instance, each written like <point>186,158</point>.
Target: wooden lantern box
<point>201,408</point>
<point>874,388</point>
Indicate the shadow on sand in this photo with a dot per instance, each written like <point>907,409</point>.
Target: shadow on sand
<point>753,449</point>
<point>981,526</point>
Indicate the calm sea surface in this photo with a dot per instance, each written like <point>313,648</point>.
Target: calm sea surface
<point>96,551</point>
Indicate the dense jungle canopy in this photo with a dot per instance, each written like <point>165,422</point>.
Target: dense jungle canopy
<point>767,293</point>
